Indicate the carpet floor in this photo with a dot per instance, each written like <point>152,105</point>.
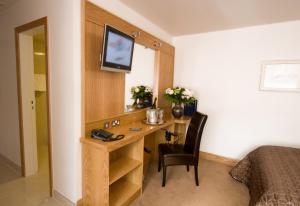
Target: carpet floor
<point>216,187</point>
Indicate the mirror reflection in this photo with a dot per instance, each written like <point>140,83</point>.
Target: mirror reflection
<point>139,82</point>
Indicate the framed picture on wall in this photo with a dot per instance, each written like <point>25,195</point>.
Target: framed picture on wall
<point>280,76</point>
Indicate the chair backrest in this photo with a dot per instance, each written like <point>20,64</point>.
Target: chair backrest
<point>194,134</point>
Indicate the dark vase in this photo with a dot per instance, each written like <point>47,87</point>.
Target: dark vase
<point>190,109</point>
<point>148,102</point>
<point>140,103</point>
<point>177,111</point>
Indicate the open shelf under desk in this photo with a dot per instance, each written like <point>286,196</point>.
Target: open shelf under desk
<point>123,192</point>
<point>113,171</point>
<point>120,167</point>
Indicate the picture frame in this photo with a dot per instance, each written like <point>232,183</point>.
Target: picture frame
<point>280,75</point>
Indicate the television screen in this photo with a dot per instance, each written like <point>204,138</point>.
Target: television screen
<point>117,50</point>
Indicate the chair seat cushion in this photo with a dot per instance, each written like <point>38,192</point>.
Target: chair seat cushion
<point>175,154</point>
<point>173,150</point>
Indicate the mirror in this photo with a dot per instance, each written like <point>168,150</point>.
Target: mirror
<point>142,72</point>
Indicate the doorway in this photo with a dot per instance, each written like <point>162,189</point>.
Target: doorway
<point>34,102</point>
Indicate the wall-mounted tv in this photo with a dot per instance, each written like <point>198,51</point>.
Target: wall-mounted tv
<point>117,50</point>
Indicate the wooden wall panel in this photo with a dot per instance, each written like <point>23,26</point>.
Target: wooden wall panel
<point>164,76</point>
<point>126,118</point>
<point>100,16</point>
<point>104,91</point>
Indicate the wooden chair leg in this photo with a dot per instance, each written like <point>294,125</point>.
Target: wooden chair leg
<point>196,175</point>
<point>159,163</point>
<point>164,175</point>
<point>188,168</point>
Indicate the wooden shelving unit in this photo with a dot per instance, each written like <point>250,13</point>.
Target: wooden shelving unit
<point>113,171</point>
<point>120,167</point>
<point>125,173</point>
<point>122,192</point>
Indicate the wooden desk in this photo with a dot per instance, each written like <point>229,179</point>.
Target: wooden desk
<point>113,171</point>
<point>180,128</point>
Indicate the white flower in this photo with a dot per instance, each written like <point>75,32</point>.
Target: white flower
<point>136,90</point>
<point>169,91</point>
<point>187,92</point>
<point>148,89</point>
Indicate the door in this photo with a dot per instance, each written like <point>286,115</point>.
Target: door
<point>33,97</point>
<point>28,103</point>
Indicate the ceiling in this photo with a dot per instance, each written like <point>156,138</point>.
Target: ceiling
<point>181,17</point>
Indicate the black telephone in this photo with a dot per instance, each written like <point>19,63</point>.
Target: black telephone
<point>105,135</point>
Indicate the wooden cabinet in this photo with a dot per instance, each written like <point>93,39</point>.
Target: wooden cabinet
<point>113,171</point>
<point>112,178</point>
<point>126,173</point>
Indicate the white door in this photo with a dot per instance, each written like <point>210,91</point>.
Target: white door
<point>28,103</point>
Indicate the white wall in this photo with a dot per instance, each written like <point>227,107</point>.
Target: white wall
<point>223,68</point>
<point>9,137</point>
<point>142,71</point>
<point>64,62</point>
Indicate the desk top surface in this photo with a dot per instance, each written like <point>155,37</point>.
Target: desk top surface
<point>130,136</point>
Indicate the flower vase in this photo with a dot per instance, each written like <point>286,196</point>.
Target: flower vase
<point>147,102</point>
<point>177,111</point>
<point>140,103</point>
<point>190,109</point>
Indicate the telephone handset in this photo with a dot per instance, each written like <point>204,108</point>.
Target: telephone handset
<point>105,135</point>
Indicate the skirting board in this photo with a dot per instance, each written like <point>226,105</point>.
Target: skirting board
<point>217,158</point>
<point>62,199</point>
<point>16,168</point>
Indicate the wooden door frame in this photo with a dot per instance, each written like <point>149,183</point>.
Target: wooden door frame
<point>31,25</point>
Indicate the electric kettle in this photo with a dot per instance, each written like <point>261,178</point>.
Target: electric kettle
<point>155,116</point>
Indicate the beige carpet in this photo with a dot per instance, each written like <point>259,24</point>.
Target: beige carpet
<point>216,187</point>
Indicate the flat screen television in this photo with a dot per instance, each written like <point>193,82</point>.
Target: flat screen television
<point>117,50</point>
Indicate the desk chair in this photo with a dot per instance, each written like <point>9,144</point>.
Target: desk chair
<point>187,154</point>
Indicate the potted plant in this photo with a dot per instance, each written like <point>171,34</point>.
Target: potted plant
<point>179,96</point>
<point>142,96</point>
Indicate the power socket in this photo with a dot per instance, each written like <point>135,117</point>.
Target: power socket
<point>115,122</point>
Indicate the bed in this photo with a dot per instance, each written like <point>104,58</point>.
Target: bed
<point>272,174</point>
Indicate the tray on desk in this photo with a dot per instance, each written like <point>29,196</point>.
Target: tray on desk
<point>149,123</point>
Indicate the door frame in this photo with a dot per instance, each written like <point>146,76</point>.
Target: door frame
<point>31,25</point>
